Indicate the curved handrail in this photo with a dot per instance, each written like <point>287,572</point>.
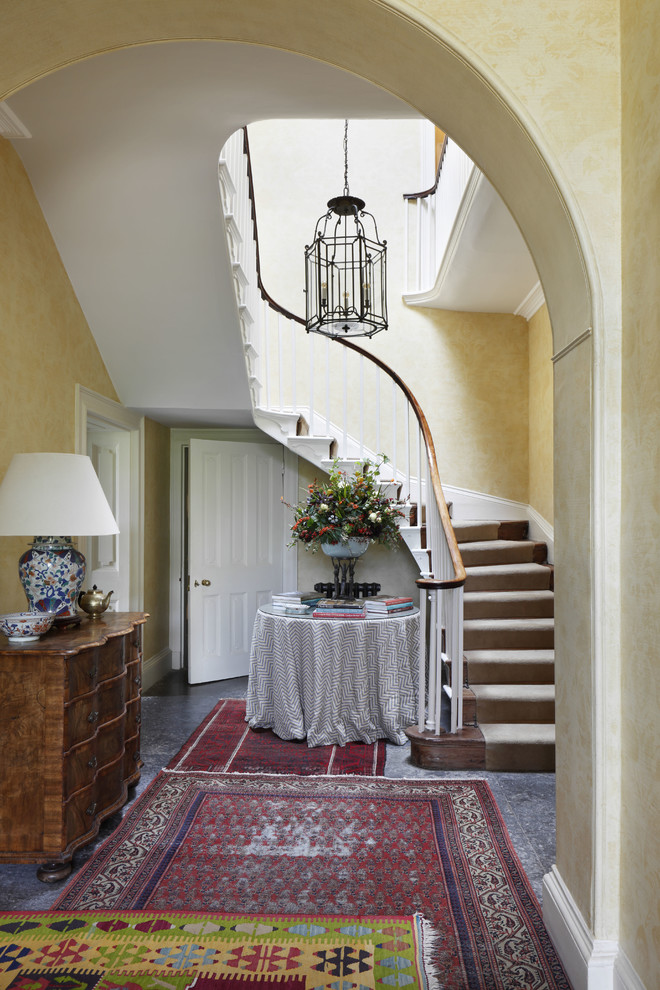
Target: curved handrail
<point>459,570</point>
<point>434,188</point>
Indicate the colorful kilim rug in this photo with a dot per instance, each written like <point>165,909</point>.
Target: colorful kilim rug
<point>224,743</point>
<point>170,950</point>
<point>339,846</point>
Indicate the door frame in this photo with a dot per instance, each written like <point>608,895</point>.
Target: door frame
<point>179,444</point>
<point>92,408</point>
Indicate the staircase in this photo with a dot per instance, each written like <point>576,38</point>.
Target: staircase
<point>508,644</point>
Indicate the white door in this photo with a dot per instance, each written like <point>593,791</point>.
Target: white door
<point>236,551</point>
<point>108,557</point>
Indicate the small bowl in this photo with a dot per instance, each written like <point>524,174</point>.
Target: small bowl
<point>25,627</point>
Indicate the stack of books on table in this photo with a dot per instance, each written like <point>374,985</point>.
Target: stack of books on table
<point>294,601</point>
<point>387,605</point>
<point>339,608</point>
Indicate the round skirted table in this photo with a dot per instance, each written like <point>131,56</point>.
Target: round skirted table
<point>333,680</point>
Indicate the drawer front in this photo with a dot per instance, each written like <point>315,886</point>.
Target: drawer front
<point>133,681</point>
<point>83,762</point>
<point>134,645</point>
<point>133,718</point>
<point>84,716</point>
<point>99,663</point>
<point>82,672</point>
<point>83,811</point>
<point>132,760</point>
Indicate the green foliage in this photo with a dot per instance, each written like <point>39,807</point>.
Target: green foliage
<point>346,506</point>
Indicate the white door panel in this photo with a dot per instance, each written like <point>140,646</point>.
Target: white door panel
<point>236,551</point>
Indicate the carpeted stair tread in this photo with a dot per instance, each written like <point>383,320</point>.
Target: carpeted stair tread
<point>510,666</point>
<point>470,531</point>
<point>519,703</point>
<point>508,604</point>
<point>497,552</point>
<point>508,577</point>
<point>509,634</point>
<point>526,747</point>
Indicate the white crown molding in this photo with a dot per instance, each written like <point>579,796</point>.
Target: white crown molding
<point>10,126</point>
<point>532,302</point>
<point>589,962</point>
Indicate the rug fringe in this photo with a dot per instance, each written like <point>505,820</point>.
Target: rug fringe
<point>429,940</point>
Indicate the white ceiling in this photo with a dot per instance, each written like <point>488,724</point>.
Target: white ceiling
<point>123,159</point>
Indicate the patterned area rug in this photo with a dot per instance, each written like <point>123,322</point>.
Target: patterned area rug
<point>224,743</point>
<point>338,846</point>
<point>174,951</point>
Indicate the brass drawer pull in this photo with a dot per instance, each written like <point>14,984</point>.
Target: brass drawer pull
<point>137,680</point>
<point>93,672</point>
<point>91,809</point>
<point>138,719</point>
<point>93,717</point>
<point>93,763</point>
<point>136,755</point>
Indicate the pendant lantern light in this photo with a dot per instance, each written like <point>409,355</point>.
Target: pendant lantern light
<point>345,269</point>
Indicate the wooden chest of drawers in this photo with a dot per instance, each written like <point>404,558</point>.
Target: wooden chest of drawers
<point>69,737</point>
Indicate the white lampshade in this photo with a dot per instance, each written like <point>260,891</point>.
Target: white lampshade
<point>54,494</point>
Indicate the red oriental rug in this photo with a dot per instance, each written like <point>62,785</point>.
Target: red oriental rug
<point>334,846</point>
<point>173,950</point>
<point>224,743</point>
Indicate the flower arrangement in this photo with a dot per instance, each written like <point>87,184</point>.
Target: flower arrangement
<point>346,507</point>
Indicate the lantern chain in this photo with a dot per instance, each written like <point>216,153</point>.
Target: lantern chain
<point>346,192</point>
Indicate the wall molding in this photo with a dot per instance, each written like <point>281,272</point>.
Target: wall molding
<point>589,962</point>
<point>467,504</point>
<point>532,302</point>
<point>155,668</point>
<point>625,976</point>
<point>585,335</point>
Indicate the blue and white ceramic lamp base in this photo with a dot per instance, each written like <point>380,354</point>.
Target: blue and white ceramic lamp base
<point>52,572</point>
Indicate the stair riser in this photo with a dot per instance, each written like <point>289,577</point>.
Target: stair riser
<point>536,580</point>
<point>518,758</point>
<point>515,711</point>
<point>482,608</point>
<point>510,673</point>
<point>486,556</point>
<point>507,639</point>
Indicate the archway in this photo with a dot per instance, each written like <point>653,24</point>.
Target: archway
<point>408,56</point>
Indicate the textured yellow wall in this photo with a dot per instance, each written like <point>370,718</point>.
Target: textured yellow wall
<point>541,449</point>
<point>45,345</point>
<point>156,537</point>
<point>557,71</point>
<point>640,518</point>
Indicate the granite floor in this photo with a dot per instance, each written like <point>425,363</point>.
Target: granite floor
<point>172,709</point>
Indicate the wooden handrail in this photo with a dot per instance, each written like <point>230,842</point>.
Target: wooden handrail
<point>434,187</point>
<point>459,570</point>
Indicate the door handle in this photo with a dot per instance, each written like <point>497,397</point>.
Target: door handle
<point>205,582</point>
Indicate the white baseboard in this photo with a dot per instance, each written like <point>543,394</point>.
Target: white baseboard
<point>468,504</point>
<point>541,531</point>
<point>625,976</point>
<point>589,962</point>
<point>155,667</point>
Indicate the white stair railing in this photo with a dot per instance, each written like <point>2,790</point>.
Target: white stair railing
<point>327,399</point>
<point>430,217</point>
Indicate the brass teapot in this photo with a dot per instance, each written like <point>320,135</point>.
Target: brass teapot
<point>93,602</point>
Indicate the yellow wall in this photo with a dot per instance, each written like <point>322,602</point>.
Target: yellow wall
<point>640,517</point>
<point>45,345</point>
<point>533,95</point>
<point>541,449</point>
<point>156,537</point>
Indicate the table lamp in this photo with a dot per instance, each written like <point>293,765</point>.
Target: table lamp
<point>53,493</point>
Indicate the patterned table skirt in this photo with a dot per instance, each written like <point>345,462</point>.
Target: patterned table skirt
<point>334,680</point>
